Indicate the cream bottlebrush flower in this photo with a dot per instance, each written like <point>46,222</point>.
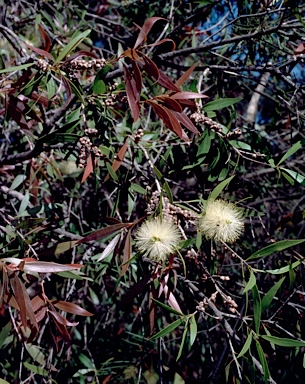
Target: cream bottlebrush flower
<point>221,221</point>
<point>157,238</point>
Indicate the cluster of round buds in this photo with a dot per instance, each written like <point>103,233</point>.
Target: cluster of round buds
<point>92,132</point>
<point>231,304</point>
<point>138,136</point>
<point>78,64</point>
<point>113,87</point>
<point>201,119</point>
<point>43,65</point>
<point>169,211</point>
<point>205,302</point>
<point>109,101</point>
<point>86,148</point>
<point>234,134</point>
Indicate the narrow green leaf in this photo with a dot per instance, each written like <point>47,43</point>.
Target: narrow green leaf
<point>295,175</point>
<point>33,368</point>
<point>257,308</point>
<point>182,341</point>
<point>71,45</point>
<point>4,381</point>
<point>246,346</point>
<point>167,308</point>
<point>273,248</point>
<point>138,188</point>
<point>219,188</point>
<point>19,179</point>
<point>36,353</point>
<point>86,361</point>
<point>112,173</point>
<point>168,329</point>
<point>291,151</point>
<point>16,68</point>
<point>263,360</point>
<point>284,269</point>
<point>220,103</point>
<point>267,299</point>
<point>205,143</point>
<point>193,330</point>
<point>251,282</point>
<point>284,342</point>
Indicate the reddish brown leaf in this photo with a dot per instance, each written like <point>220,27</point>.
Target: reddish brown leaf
<point>150,67</point>
<point>88,170</point>
<point>185,120</point>
<point>185,76</point>
<point>132,94</point>
<point>24,303</point>
<point>162,42</point>
<point>71,308</point>
<point>300,49</point>
<point>166,82</point>
<point>133,292</point>
<point>117,162</point>
<point>187,96</point>
<point>104,232</point>
<point>16,114</point>
<point>80,54</point>
<point>61,320</point>
<point>126,253</point>
<point>170,103</point>
<point>131,53</point>
<point>40,315</point>
<point>144,30</point>
<point>169,119</point>
<point>40,52</point>
<point>37,302</point>
<point>138,80</point>
<point>61,328</point>
<point>45,38</point>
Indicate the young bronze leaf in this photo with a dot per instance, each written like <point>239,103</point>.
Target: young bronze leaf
<point>138,80</point>
<point>62,320</point>
<point>150,67</point>
<point>24,302</point>
<point>162,42</point>
<point>117,162</point>
<point>104,232</point>
<point>132,97</point>
<point>126,252</point>
<point>48,267</point>
<point>144,30</point>
<point>41,52</point>
<point>60,327</point>
<point>187,95</point>
<point>134,291</point>
<point>68,91</point>
<point>46,41</point>
<point>80,54</point>
<point>170,103</point>
<point>131,53</point>
<point>186,121</point>
<point>71,308</point>
<point>185,76</point>
<point>89,169</point>
<point>166,82</point>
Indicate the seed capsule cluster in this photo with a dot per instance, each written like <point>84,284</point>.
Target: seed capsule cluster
<point>87,148</point>
<point>43,65</point>
<point>234,134</point>
<point>81,64</point>
<point>138,136</point>
<point>169,211</point>
<point>200,119</point>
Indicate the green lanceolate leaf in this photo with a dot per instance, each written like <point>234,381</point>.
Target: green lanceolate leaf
<point>263,360</point>
<point>257,308</point>
<point>182,341</point>
<point>251,282</point>
<point>217,190</point>
<point>291,151</point>
<point>193,330</point>
<point>71,45</point>
<point>167,308</point>
<point>273,248</point>
<point>285,269</point>
<point>267,299</point>
<point>16,68</point>
<point>168,329</point>
<point>283,342</point>
<point>246,346</point>
<point>220,103</point>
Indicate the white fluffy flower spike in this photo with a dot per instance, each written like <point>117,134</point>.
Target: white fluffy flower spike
<point>157,238</point>
<point>221,221</point>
